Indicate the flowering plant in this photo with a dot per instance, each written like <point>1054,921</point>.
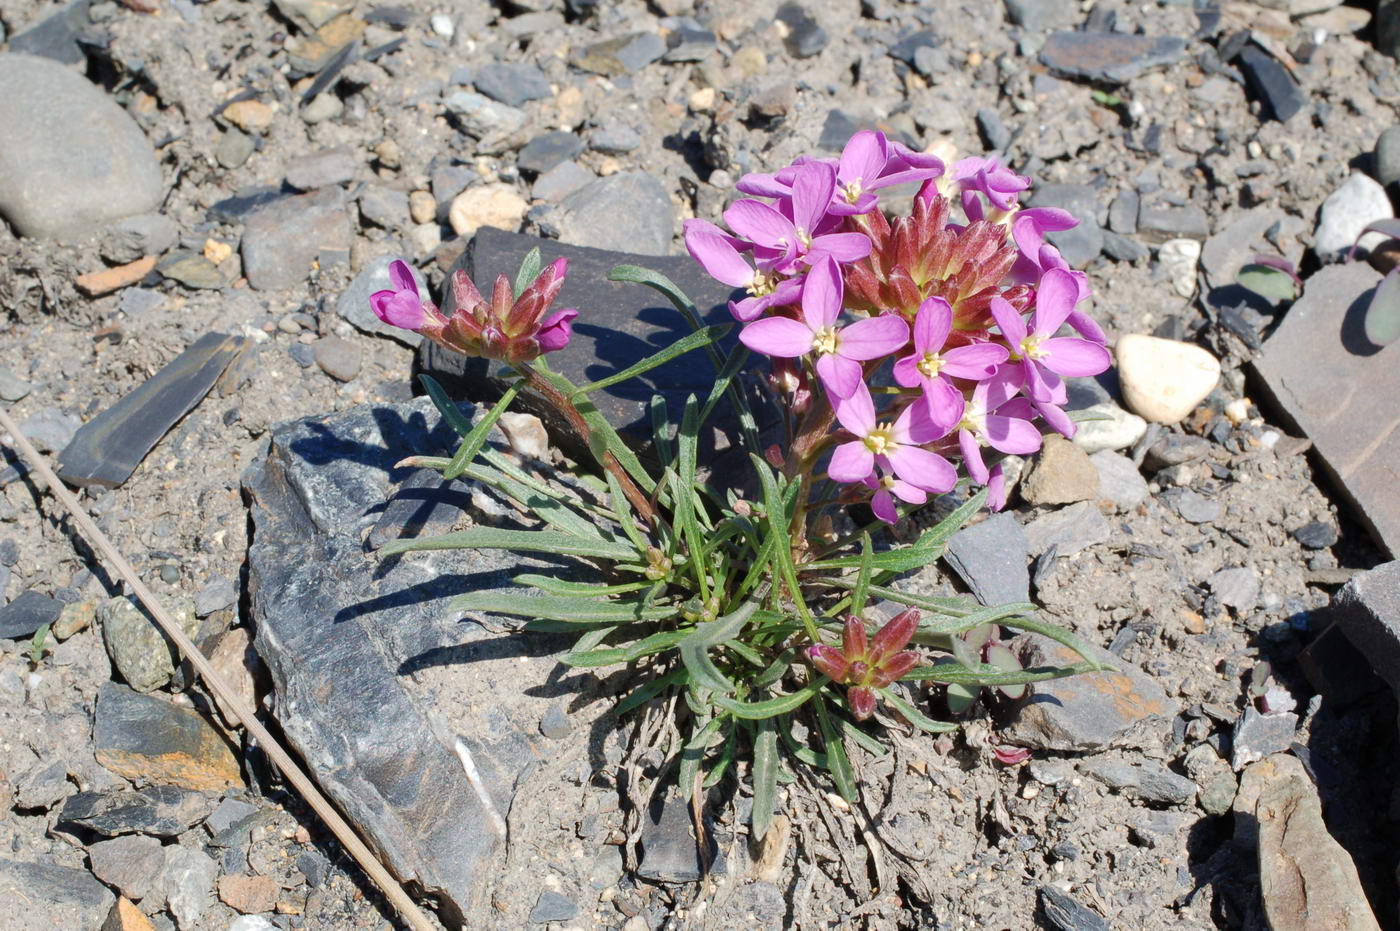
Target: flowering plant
<point>908,357</point>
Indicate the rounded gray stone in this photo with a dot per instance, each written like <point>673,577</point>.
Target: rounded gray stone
<point>139,650</point>
<point>71,160</point>
<point>626,212</point>
<point>1388,156</point>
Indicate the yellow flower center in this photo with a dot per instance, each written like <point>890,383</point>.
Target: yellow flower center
<point>1030,347</point>
<point>930,365</point>
<point>880,440</point>
<point>804,237</point>
<point>972,423</point>
<point>852,191</point>
<point>762,284</point>
<point>826,341</point>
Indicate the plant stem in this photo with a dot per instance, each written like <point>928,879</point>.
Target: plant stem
<point>565,407</point>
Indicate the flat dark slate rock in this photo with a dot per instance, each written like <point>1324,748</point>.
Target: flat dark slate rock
<point>1110,57</point>
<point>990,558</point>
<point>160,811</point>
<point>26,614</point>
<point>1333,385</point>
<point>1270,81</point>
<point>1367,609</point>
<point>363,645</point>
<point>109,447</point>
<point>618,325</point>
<point>425,504</point>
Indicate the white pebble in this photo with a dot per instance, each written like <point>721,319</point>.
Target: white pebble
<point>443,25</point>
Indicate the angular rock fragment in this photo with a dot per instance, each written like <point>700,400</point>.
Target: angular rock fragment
<point>141,737</point>
<point>109,447</point>
<point>1111,57</point>
<point>26,614</point>
<point>1089,711</point>
<point>1330,383</point>
<point>158,811</point>
<point>53,897</point>
<point>990,558</point>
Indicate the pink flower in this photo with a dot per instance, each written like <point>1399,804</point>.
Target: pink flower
<point>402,306</point>
<point>870,162</point>
<point>556,330</point>
<point>719,254</point>
<point>990,178</point>
<point>889,486</point>
<point>899,444</point>
<point>1043,356</point>
<point>800,231</point>
<point>995,418</point>
<point>839,350</point>
<point>865,664</point>
<point>930,367</point>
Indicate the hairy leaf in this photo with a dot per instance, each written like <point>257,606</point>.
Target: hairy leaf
<point>521,541</point>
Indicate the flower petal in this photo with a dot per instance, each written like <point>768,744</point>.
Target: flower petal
<point>843,247</point>
<point>853,641</point>
<point>882,504</point>
<point>556,330</point>
<point>822,293</point>
<point>828,661</point>
<point>978,361</point>
<point>717,255</point>
<point>840,376</point>
<point>761,224</point>
<point>1011,435</point>
<point>932,324</point>
<point>399,308</point>
<point>863,158</point>
<point>1013,328</point>
<point>1055,297</point>
<point>783,337</point>
<point>851,462</point>
<point>1074,358</point>
<point>857,412</point>
<point>906,371</point>
<point>944,402</point>
<point>924,469</point>
<point>402,277</point>
<point>972,456</point>
<point>894,636</point>
<point>873,337</point>
<point>812,191</point>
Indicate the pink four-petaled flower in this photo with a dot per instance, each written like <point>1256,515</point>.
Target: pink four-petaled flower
<point>930,366</point>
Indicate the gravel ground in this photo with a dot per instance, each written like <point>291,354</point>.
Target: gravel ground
<point>525,115</point>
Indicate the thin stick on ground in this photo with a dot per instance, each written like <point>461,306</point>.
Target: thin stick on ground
<point>402,903</point>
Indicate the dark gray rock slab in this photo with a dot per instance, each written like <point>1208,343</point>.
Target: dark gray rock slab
<point>1068,530</point>
<point>132,864</point>
<point>1148,780</point>
<point>1271,83</point>
<point>1157,224</point>
<point>551,906</point>
<point>991,558</point>
<point>142,737</point>
<point>1040,15</point>
<point>618,324</point>
<point>111,445</point>
<point>72,160</point>
<point>1109,57</point>
<point>1068,913</point>
<point>424,504</point>
<point>160,811</point>
<point>512,83</point>
<point>1259,735</point>
<point>53,897</point>
<point>375,681</point>
<point>26,614</point>
<point>670,853</point>
<point>626,54</point>
<point>1326,380</point>
<point>321,169</point>
<point>805,37</point>
<point>546,150</point>
<point>1367,610</point>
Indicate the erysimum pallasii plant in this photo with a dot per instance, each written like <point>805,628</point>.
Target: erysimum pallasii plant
<point>754,609</point>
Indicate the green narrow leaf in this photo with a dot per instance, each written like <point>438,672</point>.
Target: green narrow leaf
<point>526,541</point>
<point>649,690</point>
<point>765,776</point>
<point>914,716</point>
<point>39,645</point>
<point>557,607</point>
<point>987,675</point>
<point>694,754</point>
<point>782,547</point>
<point>695,648</point>
<point>837,763</point>
<point>758,710</point>
<point>859,593</point>
<point>776,670</point>
<point>623,511</point>
<point>648,646</point>
<point>591,639</point>
<point>553,586</point>
<point>449,411</point>
<point>529,271</point>
<point>683,494</point>
<point>1382,323</point>
<point>473,441</point>
<point>700,338</point>
<point>722,764</point>
<point>661,428</point>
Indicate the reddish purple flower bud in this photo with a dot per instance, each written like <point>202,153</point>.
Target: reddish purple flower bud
<point>862,702</point>
<point>829,662</point>
<point>864,664</point>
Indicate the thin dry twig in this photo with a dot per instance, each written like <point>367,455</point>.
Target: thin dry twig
<point>406,907</point>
